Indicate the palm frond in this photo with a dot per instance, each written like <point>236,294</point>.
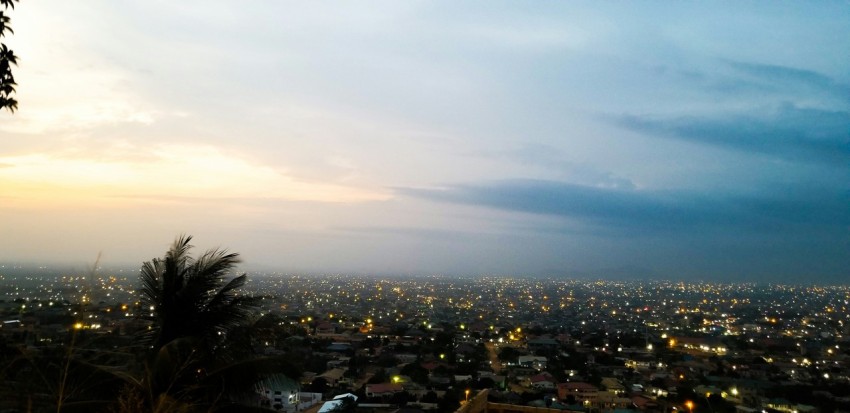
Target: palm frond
<point>151,277</point>
<point>194,306</point>
<point>177,258</point>
<point>246,373</point>
<point>226,294</point>
<point>215,263</point>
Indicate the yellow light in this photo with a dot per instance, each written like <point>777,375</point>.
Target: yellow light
<point>78,326</point>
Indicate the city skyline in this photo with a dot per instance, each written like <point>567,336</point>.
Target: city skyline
<point>670,141</point>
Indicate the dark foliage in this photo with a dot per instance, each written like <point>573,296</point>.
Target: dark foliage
<point>199,343</point>
<point>59,379</point>
<point>416,372</point>
<point>7,60</point>
<point>450,402</point>
<point>191,298</point>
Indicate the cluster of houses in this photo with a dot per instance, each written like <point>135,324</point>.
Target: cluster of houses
<point>578,361</point>
<point>684,373</point>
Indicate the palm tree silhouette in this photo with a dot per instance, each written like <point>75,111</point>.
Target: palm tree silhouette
<point>187,298</point>
<point>193,307</point>
<point>192,360</point>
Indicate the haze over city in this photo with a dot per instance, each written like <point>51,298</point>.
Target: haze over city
<point>640,140</point>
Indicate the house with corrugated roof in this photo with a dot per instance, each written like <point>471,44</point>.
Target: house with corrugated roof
<point>383,389</point>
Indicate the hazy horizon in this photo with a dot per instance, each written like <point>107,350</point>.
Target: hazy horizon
<point>58,269</point>
<point>649,140</point>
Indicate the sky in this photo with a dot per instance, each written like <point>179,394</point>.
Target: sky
<point>673,140</point>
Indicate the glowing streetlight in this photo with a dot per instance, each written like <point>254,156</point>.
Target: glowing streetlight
<point>467,394</point>
<point>690,405</point>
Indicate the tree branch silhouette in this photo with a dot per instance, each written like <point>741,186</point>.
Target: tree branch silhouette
<point>7,60</point>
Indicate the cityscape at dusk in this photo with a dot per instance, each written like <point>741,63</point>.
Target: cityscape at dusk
<point>429,342</point>
<point>424,207</point>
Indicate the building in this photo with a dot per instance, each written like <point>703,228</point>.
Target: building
<point>536,362</point>
<point>383,389</point>
<point>584,393</point>
<point>338,403</point>
<point>279,393</point>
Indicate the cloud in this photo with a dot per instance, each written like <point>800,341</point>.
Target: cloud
<point>534,37</point>
<point>783,112</point>
<point>646,210</point>
<point>552,160</point>
<point>783,78</point>
<point>159,172</point>
<point>435,234</point>
<point>789,132</point>
<point>64,85</point>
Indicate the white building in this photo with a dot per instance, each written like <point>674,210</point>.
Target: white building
<point>278,392</point>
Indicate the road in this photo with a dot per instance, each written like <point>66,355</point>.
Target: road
<point>494,357</point>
